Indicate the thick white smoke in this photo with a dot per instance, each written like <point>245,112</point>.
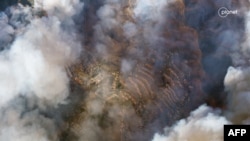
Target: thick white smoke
<point>237,84</point>
<point>237,80</point>
<point>151,17</point>
<point>32,67</point>
<point>205,123</point>
<point>35,51</point>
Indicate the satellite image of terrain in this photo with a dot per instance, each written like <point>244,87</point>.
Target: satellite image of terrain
<point>123,70</point>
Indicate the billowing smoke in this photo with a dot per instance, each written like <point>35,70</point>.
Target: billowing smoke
<point>237,80</point>
<point>206,123</point>
<point>136,80</point>
<point>122,70</point>
<point>35,54</point>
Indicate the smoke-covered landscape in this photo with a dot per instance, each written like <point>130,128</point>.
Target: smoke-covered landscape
<point>123,70</point>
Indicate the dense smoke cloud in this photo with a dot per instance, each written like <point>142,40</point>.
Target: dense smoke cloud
<point>206,123</point>
<point>123,70</point>
<point>237,80</point>
<point>33,79</point>
<point>136,79</point>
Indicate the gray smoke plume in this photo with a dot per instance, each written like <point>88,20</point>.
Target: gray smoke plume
<point>122,70</point>
<point>33,80</point>
<point>206,123</point>
<point>132,88</point>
